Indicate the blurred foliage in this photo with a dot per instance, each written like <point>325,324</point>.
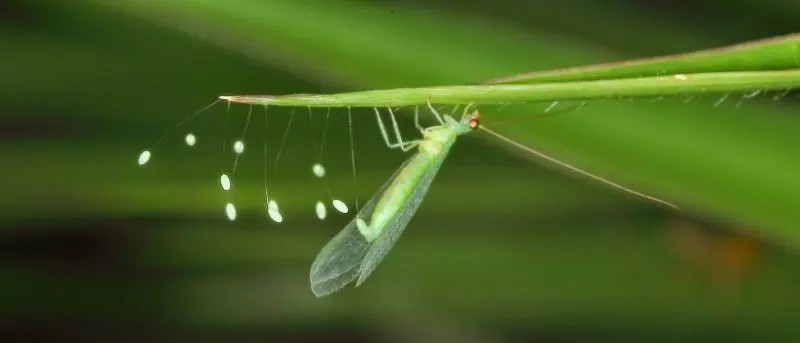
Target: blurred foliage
<point>502,250</point>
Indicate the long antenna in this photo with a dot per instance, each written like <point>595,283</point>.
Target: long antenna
<point>576,169</point>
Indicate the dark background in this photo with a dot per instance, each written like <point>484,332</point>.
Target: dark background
<point>95,248</point>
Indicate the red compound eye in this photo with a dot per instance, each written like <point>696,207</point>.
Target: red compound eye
<point>474,123</point>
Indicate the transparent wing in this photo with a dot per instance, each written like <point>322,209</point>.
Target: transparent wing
<point>396,225</point>
<point>337,263</point>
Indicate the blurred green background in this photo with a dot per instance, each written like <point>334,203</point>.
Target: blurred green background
<point>502,250</point>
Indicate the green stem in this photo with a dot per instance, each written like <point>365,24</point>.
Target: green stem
<point>497,94</point>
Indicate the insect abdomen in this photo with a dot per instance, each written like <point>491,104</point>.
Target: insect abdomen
<point>400,190</point>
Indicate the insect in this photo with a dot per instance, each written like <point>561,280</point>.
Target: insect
<point>365,241</point>
<point>356,251</point>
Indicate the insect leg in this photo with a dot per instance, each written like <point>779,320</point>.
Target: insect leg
<point>421,129</point>
<point>435,113</point>
<point>416,120</point>
<point>466,111</point>
<point>404,146</point>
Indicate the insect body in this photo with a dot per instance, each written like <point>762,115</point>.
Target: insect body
<point>365,241</point>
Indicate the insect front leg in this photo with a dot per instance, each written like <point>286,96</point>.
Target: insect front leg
<point>404,146</point>
<point>466,111</point>
<point>435,113</point>
<point>416,121</point>
<point>423,130</point>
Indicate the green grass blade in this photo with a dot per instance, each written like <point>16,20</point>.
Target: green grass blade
<point>766,54</point>
<point>707,83</point>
